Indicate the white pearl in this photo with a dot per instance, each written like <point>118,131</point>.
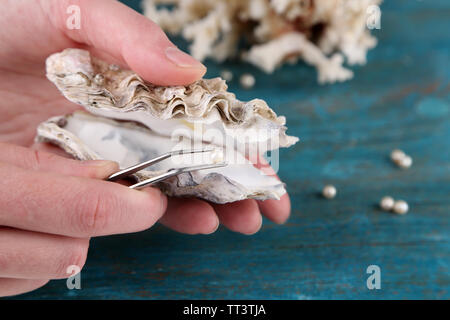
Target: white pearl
<point>329,192</point>
<point>217,156</point>
<point>247,80</point>
<point>405,162</point>
<point>227,75</point>
<point>114,67</point>
<point>99,79</point>
<point>397,155</point>
<point>401,207</point>
<point>387,203</point>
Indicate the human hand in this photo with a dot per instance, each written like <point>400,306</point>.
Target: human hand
<point>49,205</point>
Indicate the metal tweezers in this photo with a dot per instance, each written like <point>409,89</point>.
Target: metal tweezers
<point>169,173</point>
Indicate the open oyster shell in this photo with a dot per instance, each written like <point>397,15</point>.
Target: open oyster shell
<point>130,121</point>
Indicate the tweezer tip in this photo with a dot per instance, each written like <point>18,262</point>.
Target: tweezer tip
<point>205,166</point>
<point>133,169</point>
<point>187,151</point>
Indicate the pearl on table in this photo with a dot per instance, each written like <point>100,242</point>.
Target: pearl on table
<point>400,207</point>
<point>387,203</point>
<point>397,155</point>
<point>329,191</point>
<point>405,162</point>
<point>401,159</point>
<point>227,75</point>
<point>247,80</point>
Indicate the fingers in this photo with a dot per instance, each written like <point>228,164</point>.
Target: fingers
<point>240,216</point>
<point>114,30</point>
<point>44,161</point>
<point>12,287</point>
<point>277,211</point>
<point>32,255</point>
<point>191,216</point>
<point>73,206</point>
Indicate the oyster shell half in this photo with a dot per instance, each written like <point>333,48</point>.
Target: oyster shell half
<point>130,121</point>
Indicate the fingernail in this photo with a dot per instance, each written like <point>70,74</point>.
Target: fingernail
<point>182,59</point>
<point>215,228</point>
<point>163,203</point>
<point>99,163</point>
<point>255,231</point>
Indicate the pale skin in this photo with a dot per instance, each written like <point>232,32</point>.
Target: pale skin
<point>50,205</point>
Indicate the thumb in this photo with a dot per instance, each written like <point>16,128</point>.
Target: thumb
<point>112,30</point>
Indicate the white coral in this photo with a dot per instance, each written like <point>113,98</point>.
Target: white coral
<point>279,31</point>
<point>269,55</point>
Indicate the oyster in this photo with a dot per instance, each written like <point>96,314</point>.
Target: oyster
<point>130,120</point>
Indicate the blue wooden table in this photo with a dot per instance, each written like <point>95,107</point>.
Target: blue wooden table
<point>400,99</point>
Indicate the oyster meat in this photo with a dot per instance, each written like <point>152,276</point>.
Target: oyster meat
<point>129,120</point>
